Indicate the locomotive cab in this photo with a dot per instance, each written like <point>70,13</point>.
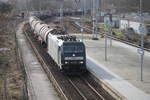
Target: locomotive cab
<point>73,57</point>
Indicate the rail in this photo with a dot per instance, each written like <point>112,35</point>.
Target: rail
<point>86,94</point>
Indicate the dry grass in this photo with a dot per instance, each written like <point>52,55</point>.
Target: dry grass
<point>10,72</point>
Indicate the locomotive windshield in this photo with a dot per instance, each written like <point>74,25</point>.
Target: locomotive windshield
<point>73,48</point>
<point>148,29</point>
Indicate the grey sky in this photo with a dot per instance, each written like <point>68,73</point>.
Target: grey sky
<point>4,0</point>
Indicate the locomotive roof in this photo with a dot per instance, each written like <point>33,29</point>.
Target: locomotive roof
<point>60,39</point>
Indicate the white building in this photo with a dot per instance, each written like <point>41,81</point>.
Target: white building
<point>135,23</point>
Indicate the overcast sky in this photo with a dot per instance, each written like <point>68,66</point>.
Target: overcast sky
<point>3,0</point>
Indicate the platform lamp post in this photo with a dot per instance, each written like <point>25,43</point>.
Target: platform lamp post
<point>107,21</point>
<point>142,31</point>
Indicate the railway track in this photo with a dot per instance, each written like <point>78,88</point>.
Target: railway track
<point>126,42</point>
<point>68,87</point>
<point>88,91</point>
<point>110,36</point>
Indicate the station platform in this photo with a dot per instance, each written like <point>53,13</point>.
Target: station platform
<point>122,69</point>
<point>39,86</point>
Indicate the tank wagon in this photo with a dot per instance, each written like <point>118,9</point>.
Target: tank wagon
<point>68,53</point>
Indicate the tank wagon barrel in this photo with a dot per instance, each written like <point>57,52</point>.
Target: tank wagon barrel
<point>68,53</point>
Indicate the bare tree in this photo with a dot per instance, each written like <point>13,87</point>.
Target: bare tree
<point>5,7</point>
<point>128,5</point>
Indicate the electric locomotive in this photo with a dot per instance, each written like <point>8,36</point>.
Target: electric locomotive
<point>73,56</point>
<point>68,53</point>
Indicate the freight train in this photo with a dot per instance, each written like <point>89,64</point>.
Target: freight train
<point>67,52</point>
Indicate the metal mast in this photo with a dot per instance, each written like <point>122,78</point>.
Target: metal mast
<point>94,19</point>
<point>61,13</point>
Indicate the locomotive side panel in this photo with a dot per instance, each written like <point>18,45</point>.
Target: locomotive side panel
<point>52,49</point>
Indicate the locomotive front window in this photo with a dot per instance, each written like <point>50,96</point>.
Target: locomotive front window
<point>73,49</point>
<point>148,29</point>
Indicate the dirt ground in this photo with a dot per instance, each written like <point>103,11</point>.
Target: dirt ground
<point>11,77</point>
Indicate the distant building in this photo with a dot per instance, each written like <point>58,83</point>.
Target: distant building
<point>134,23</point>
<point>115,20</point>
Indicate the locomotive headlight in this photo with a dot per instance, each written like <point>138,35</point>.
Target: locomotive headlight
<point>66,62</point>
<point>81,62</point>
